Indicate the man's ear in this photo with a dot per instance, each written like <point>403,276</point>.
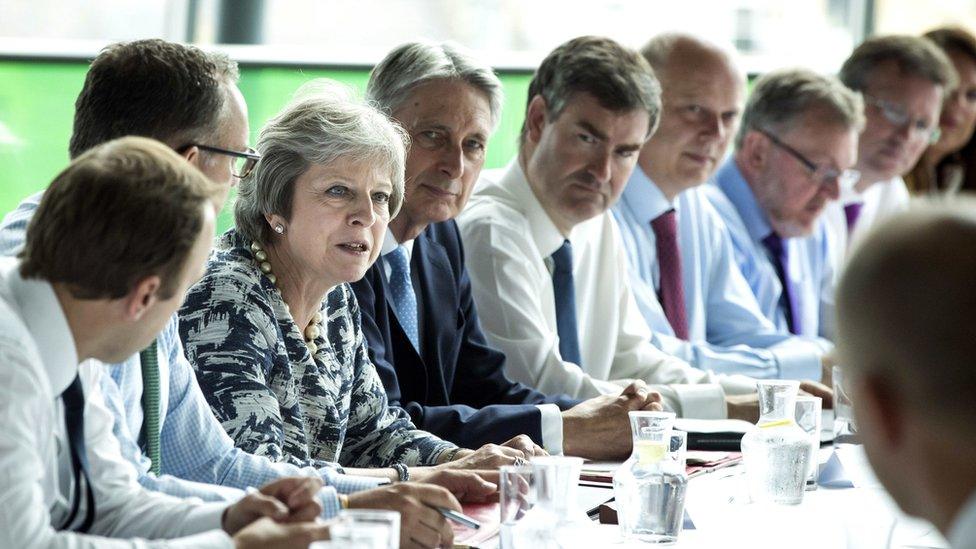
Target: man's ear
<point>192,155</point>
<point>754,151</point>
<point>535,118</point>
<point>882,407</point>
<point>143,296</point>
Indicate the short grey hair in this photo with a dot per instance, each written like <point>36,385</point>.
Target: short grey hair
<point>914,56</point>
<point>781,98</point>
<point>414,63</point>
<point>322,124</point>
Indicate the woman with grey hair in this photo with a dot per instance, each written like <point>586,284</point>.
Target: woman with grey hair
<point>273,328</point>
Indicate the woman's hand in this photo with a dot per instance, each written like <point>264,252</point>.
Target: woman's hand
<point>516,451</point>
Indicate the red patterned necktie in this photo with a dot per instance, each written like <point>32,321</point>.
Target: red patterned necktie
<point>672,291</point>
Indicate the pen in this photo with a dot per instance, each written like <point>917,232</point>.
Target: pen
<point>454,516</point>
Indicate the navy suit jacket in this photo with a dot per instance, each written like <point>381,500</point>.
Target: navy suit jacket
<point>456,387</point>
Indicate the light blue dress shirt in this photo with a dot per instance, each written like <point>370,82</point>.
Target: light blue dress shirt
<point>811,261</point>
<point>728,333</point>
<point>198,457</point>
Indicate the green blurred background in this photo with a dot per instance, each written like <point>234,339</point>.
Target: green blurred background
<point>37,105</point>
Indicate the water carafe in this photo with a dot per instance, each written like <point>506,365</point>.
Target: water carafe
<point>650,486</point>
<point>776,452</point>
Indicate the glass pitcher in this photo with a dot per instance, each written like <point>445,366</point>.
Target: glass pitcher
<point>650,487</point>
<point>776,452</point>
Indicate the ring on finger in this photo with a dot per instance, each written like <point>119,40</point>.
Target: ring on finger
<point>519,461</point>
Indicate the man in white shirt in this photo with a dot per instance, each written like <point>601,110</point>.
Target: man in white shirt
<point>903,80</point>
<point>905,337</point>
<point>683,271</point>
<point>548,271</point>
<point>118,238</point>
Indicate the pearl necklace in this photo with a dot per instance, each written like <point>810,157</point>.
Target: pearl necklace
<point>314,329</point>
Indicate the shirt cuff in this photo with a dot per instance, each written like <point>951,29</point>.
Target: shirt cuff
<point>699,401</point>
<point>348,484</point>
<point>204,517</point>
<point>218,539</point>
<point>552,428</point>
<point>797,363</point>
<point>330,502</point>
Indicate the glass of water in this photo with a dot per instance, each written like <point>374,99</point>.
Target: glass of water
<point>367,528</point>
<point>517,497</point>
<point>845,427</point>
<point>808,417</point>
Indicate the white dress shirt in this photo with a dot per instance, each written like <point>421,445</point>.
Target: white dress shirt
<point>508,238</point>
<point>727,331</point>
<point>880,200</point>
<point>39,361</point>
<point>962,533</point>
<point>551,418</point>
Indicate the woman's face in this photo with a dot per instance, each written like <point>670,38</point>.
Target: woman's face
<point>959,111</point>
<point>338,220</point>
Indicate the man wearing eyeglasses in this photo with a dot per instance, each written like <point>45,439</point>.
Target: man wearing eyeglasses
<point>682,268</point>
<point>903,80</point>
<point>794,151</point>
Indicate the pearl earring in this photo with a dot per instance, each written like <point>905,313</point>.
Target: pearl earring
<point>279,228</point>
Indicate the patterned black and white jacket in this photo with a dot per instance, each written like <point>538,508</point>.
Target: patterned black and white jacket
<point>271,395</point>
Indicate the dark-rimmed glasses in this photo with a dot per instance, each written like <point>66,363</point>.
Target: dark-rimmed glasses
<point>820,173</point>
<point>244,162</point>
<point>898,116</point>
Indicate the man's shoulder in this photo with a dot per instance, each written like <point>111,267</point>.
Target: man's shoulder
<point>719,203</point>
<point>19,356</point>
<point>13,228</point>
<point>493,214</point>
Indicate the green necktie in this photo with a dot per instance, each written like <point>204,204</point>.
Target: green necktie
<point>150,405</point>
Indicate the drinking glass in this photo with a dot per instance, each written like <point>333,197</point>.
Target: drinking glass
<point>517,497</point>
<point>808,417</point>
<point>368,528</point>
<point>845,426</point>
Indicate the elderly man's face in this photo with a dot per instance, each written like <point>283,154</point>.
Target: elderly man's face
<point>785,188</point>
<point>338,219</point>
<point>702,103</point>
<point>232,135</point>
<point>583,158</point>
<point>889,148</point>
<point>449,122</point>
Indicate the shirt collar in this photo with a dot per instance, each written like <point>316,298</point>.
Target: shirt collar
<point>390,243</point>
<point>544,232</point>
<point>644,198</point>
<point>735,187</point>
<point>42,314</point>
<point>963,528</point>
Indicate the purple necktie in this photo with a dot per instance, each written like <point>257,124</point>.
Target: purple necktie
<point>774,244</point>
<point>672,291</point>
<point>852,211</point>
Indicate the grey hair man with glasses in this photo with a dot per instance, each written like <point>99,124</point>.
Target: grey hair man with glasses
<point>903,80</point>
<point>795,150</point>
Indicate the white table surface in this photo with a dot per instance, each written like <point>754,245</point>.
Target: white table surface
<point>861,517</point>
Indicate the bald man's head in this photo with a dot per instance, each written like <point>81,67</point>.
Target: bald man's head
<point>702,94</point>
<point>906,307</point>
